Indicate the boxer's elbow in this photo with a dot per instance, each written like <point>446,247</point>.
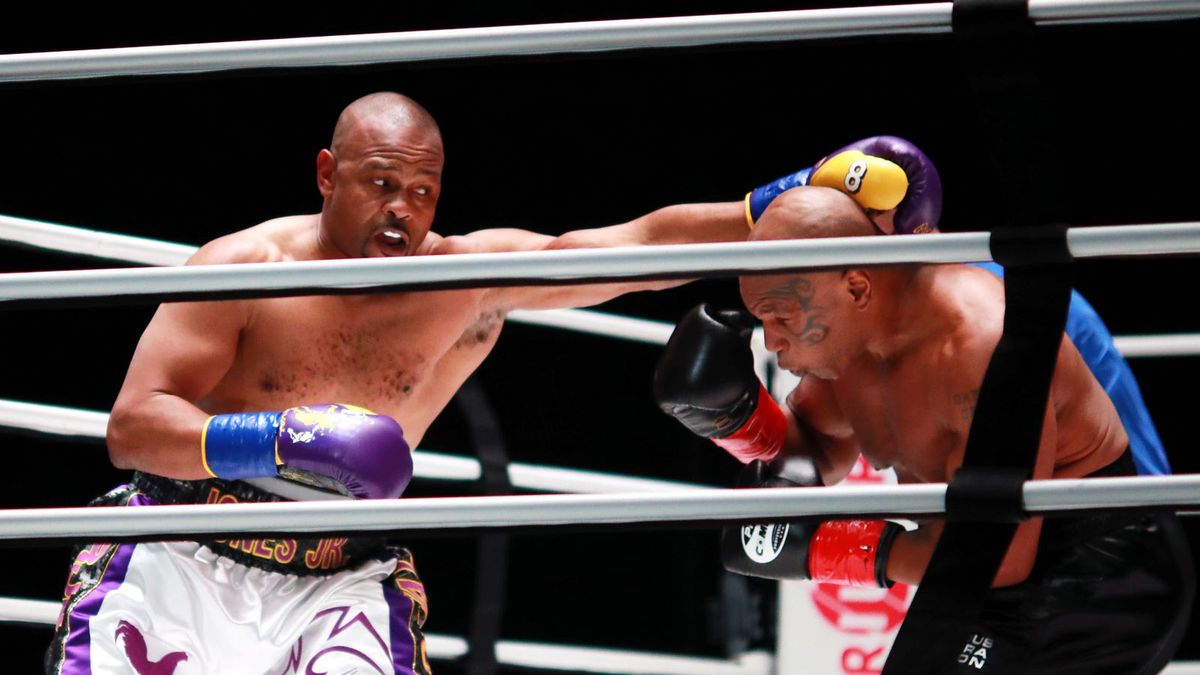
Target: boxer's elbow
<point>118,437</point>
<point>129,427</point>
<point>1011,575</point>
<point>1022,553</point>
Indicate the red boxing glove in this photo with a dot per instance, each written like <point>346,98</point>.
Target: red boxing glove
<point>846,552</point>
<point>761,435</point>
<point>851,552</point>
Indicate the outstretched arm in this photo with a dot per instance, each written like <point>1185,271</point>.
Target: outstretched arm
<point>681,224</point>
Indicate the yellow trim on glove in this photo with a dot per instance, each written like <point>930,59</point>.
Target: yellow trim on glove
<point>875,183</point>
<point>204,447</point>
<point>749,218</point>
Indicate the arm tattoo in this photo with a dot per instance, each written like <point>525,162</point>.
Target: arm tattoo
<point>965,402</point>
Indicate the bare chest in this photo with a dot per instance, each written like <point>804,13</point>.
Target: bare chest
<point>899,422</point>
<point>393,354</point>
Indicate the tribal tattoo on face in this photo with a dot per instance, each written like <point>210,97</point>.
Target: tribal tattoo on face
<point>802,290</point>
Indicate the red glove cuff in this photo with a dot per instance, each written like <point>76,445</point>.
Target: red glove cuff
<point>844,552</point>
<point>762,435</point>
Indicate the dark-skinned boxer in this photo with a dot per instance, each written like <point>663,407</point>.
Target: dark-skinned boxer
<point>218,392</point>
<point>890,360</point>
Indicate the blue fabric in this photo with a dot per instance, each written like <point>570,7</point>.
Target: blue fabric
<point>1095,344</point>
<point>242,445</point>
<point>761,197</point>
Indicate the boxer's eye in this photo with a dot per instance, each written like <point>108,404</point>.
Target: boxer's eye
<point>422,191</point>
<point>379,182</point>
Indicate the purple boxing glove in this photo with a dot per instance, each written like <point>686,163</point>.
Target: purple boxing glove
<point>921,208</point>
<point>340,447</point>
<point>880,173</point>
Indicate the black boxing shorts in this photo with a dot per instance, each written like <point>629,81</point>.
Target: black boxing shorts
<point>1109,593</point>
<point>298,556</point>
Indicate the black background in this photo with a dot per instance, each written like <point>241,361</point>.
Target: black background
<point>552,144</point>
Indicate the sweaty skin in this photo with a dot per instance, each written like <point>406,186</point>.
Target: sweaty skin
<point>891,361</point>
<point>403,354</point>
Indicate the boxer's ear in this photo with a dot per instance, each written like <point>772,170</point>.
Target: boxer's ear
<point>858,284</point>
<point>326,164</point>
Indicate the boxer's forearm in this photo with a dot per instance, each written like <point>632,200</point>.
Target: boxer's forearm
<point>693,223</point>
<point>912,551</point>
<point>157,433</point>
<point>679,224</point>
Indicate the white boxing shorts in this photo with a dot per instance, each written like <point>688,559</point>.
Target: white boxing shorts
<point>179,608</point>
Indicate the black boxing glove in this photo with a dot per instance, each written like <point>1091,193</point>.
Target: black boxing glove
<point>705,379</point>
<point>847,552</point>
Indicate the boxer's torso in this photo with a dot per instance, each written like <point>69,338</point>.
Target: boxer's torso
<point>914,412</point>
<point>402,354</point>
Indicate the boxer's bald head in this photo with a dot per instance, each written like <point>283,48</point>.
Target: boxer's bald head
<point>380,177</point>
<point>382,113</point>
<point>812,213</point>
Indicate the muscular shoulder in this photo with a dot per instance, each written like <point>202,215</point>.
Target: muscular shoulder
<point>272,241</point>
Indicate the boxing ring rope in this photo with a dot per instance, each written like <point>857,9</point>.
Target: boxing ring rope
<point>91,424</point>
<point>525,268</point>
<point>79,241</point>
<point>86,242</point>
<point>1181,245</point>
<point>596,36</point>
<point>588,36</point>
<point>534,654</point>
<point>474,514</point>
<point>508,652</point>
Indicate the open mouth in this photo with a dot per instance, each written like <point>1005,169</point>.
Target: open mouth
<point>391,242</point>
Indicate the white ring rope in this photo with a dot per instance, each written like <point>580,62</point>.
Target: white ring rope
<point>1181,344</point>
<point>570,266</point>
<point>589,36</point>
<point>537,654</point>
<point>508,652</point>
<point>446,514</point>
<point>124,248</point>
<point>92,424</point>
<point>94,243</point>
<point>71,65</point>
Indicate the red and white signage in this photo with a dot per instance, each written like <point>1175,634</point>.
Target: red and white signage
<point>827,629</point>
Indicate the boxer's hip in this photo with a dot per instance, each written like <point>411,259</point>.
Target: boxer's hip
<point>1108,593</point>
<point>159,606</point>
<point>188,604</point>
<point>290,555</point>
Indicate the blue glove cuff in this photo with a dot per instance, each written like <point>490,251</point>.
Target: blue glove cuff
<point>240,445</point>
<point>761,197</point>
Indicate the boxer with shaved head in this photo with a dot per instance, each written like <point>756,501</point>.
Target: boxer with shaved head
<point>890,361</point>
<point>332,391</point>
